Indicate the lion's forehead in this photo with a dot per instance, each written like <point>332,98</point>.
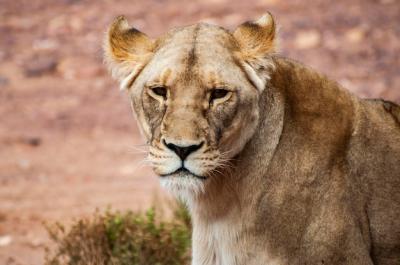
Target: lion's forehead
<point>196,43</point>
<point>201,51</point>
<point>190,36</point>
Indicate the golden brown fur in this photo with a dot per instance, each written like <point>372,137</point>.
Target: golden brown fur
<point>284,166</point>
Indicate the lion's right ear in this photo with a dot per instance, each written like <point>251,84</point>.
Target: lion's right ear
<point>126,51</point>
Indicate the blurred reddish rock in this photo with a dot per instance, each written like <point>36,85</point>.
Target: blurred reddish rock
<point>80,68</point>
<point>386,2</point>
<point>40,65</point>
<point>232,20</point>
<point>355,35</point>
<point>45,45</point>
<point>76,24</point>
<point>5,240</point>
<point>24,164</point>
<point>307,39</point>
<point>64,24</point>
<point>268,2</point>
<point>32,141</point>
<point>3,81</point>
<point>20,23</point>
<point>3,55</point>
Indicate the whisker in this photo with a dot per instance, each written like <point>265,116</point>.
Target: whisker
<point>140,164</point>
<point>140,148</point>
<point>136,150</point>
<point>131,152</point>
<point>141,145</point>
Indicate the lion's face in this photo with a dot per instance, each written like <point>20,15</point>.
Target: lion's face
<point>196,103</point>
<point>195,97</point>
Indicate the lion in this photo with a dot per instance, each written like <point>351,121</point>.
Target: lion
<point>277,163</point>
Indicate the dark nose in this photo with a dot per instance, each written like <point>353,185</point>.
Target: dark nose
<point>183,151</point>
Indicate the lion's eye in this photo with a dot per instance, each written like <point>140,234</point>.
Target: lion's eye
<point>160,91</point>
<point>218,93</point>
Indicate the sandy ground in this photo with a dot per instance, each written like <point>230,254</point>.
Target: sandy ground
<point>68,141</point>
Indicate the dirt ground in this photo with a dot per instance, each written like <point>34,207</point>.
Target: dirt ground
<point>68,141</point>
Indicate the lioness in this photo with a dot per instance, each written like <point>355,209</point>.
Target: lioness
<point>277,163</point>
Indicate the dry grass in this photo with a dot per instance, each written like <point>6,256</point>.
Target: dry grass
<point>117,238</point>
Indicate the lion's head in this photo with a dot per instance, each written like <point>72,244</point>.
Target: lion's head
<point>194,91</point>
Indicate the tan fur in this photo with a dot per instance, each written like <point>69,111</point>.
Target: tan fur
<point>290,168</point>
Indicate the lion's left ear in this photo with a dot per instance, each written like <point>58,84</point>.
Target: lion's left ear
<point>256,41</point>
<point>126,51</point>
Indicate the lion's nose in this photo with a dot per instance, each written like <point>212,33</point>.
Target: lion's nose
<point>183,151</point>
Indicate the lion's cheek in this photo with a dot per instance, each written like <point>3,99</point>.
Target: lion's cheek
<point>148,113</point>
<point>139,115</point>
<point>235,137</point>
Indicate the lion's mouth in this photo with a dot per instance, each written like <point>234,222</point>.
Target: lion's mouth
<point>183,172</point>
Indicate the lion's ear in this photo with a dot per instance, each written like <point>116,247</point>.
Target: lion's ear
<point>256,41</point>
<point>126,51</point>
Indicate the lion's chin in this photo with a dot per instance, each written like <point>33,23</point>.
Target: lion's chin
<point>183,173</point>
<point>183,184</point>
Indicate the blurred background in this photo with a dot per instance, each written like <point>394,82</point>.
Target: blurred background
<point>68,141</point>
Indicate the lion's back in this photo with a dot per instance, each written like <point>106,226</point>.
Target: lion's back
<point>378,152</point>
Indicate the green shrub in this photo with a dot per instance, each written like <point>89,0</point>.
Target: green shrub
<point>115,238</point>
